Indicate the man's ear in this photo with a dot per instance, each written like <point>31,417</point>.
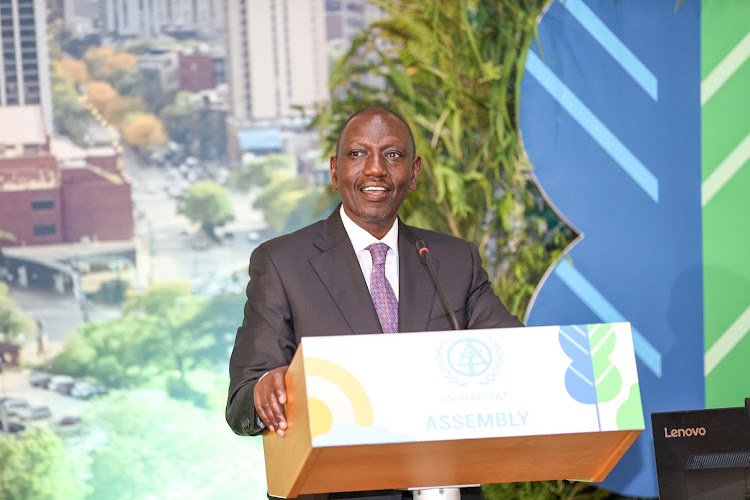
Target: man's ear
<point>334,173</point>
<point>416,165</point>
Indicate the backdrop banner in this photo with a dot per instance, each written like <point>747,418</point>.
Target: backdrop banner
<point>630,113</point>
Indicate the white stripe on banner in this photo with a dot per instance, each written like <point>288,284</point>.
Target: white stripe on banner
<point>614,46</point>
<point>728,340</point>
<point>725,171</point>
<point>725,69</point>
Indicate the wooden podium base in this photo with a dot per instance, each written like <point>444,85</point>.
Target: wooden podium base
<point>587,457</point>
<point>294,467</point>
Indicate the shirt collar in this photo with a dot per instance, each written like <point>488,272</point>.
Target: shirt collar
<point>361,239</point>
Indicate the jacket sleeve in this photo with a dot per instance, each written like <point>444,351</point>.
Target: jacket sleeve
<point>264,341</point>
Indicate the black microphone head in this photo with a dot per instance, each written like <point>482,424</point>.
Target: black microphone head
<point>424,252</point>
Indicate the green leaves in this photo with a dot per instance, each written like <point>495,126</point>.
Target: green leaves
<point>630,413</point>
<point>157,447</point>
<point>13,323</point>
<point>165,330</point>
<point>289,203</point>
<point>452,69</point>
<point>206,203</point>
<point>258,172</point>
<point>34,464</point>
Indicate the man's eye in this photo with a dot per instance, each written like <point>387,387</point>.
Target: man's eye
<point>393,154</point>
<point>356,153</point>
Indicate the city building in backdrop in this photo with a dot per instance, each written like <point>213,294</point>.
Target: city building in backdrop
<point>278,70</point>
<point>131,18</point>
<point>53,192</point>
<point>191,18</point>
<point>81,17</point>
<point>277,59</point>
<point>275,56</point>
<point>345,20</point>
<point>201,68</point>
<point>161,66</point>
<point>147,19</point>
<point>24,59</point>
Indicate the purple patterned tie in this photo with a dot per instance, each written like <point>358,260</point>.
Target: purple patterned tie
<point>382,294</point>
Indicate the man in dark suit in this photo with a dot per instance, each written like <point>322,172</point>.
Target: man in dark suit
<point>321,280</point>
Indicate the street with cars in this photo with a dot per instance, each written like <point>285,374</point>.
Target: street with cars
<point>32,399</point>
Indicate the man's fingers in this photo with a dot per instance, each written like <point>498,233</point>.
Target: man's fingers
<point>271,409</point>
<point>277,415</point>
<point>279,387</point>
<point>277,410</point>
<point>265,416</point>
<point>270,398</point>
<point>264,404</point>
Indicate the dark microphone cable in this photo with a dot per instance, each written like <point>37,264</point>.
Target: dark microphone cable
<point>424,256</point>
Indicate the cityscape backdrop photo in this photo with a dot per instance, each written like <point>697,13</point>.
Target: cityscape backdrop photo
<point>597,152</point>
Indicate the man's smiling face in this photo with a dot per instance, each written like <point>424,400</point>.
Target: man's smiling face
<point>374,170</point>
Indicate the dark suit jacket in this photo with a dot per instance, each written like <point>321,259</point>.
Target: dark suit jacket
<point>310,283</point>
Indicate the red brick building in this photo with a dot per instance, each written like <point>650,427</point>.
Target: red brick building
<point>196,72</point>
<point>56,192</point>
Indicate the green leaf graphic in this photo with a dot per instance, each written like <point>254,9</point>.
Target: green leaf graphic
<point>606,375</point>
<point>630,415</point>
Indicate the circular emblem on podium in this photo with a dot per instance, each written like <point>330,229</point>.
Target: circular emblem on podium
<point>469,357</point>
<point>469,360</point>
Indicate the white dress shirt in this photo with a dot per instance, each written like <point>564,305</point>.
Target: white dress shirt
<point>361,239</point>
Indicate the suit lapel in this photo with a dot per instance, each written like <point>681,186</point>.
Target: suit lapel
<point>338,268</point>
<point>416,290</point>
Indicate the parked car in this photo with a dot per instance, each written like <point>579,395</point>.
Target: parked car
<point>33,412</point>
<point>39,379</point>
<point>67,426</point>
<point>69,421</point>
<point>12,427</point>
<point>86,390</point>
<point>12,405</point>
<point>61,383</point>
<point>64,388</point>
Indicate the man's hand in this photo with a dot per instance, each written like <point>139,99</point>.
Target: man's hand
<point>270,398</point>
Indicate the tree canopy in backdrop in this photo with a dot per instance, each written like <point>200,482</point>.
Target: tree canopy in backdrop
<point>143,130</point>
<point>34,464</point>
<point>157,447</point>
<point>13,323</point>
<point>206,203</point>
<point>165,331</point>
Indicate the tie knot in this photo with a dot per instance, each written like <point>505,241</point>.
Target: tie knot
<point>378,252</point>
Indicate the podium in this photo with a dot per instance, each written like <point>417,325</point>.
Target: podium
<point>368,412</point>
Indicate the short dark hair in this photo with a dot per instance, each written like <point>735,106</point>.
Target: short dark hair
<point>378,110</point>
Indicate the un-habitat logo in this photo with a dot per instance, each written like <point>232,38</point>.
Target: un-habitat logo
<point>469,361</point>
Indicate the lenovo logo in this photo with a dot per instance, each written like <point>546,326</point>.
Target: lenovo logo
<point>689,432</point>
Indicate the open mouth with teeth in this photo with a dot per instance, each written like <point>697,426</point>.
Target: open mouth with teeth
<point>374,192</point>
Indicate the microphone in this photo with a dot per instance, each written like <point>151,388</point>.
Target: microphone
<point>424,256</point>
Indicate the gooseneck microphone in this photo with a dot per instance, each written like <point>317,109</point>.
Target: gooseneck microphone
<point>425,257</point>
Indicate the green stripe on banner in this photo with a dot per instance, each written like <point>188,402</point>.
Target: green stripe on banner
<point>725,80</point>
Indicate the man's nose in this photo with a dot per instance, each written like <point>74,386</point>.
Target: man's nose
<point>375,165</point>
